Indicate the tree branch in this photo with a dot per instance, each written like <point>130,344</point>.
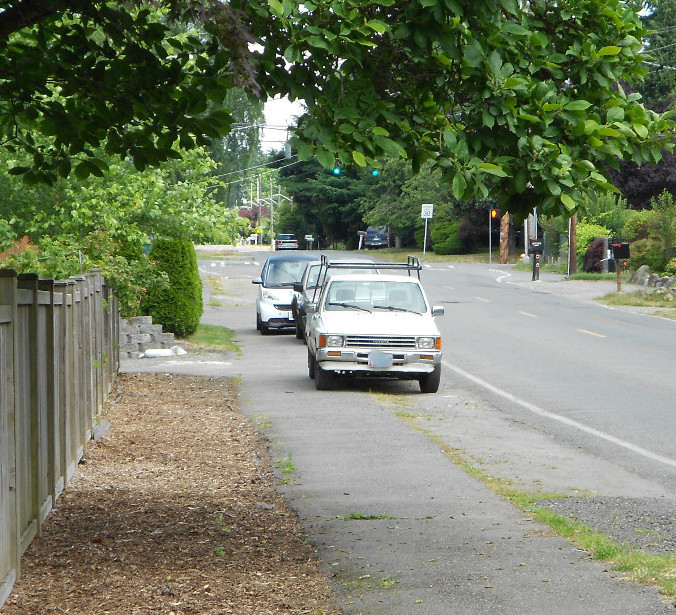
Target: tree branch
<point>27,13</point>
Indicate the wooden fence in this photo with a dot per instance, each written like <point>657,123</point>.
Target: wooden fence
<point>58,361</point>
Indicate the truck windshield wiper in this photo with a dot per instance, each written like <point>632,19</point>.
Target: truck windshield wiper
<point>394,308</point>
<point>350,305</point>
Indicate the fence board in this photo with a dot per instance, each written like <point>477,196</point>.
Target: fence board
<point>58,360</point>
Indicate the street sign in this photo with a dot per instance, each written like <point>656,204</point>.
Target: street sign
<point>427,211</point>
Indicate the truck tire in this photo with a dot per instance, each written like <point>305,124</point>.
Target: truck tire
<point>323,379</point>
<point>429,383</point>
<point>310,364</point>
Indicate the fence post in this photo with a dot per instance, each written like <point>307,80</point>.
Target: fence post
<point>61,397</point>
<point>10,553</point>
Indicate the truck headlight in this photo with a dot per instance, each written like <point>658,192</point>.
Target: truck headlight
<point>426,343</point>
<point>334,341</point>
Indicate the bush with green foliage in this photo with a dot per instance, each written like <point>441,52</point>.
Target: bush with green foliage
<point>586,233</point>
<point>178,307</point>
<point>647,252</point>
<point>637,225</point>
<point>671,267</point>
<point>445,237</point>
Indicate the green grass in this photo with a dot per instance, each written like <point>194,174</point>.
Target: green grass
<point>363,517</point>
<point>213,337</point>
<point>648,569</point>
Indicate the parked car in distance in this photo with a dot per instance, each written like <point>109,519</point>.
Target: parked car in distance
<point>374,325</point>
<point>275,290</point>
<point>307,290</point>
<point>376,237</point>
<point>286,241</point>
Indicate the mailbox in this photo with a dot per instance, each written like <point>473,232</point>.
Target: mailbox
<point>620,250</point>
<point>537,246</point>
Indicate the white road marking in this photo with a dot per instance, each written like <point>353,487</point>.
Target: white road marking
<point>561,419</point>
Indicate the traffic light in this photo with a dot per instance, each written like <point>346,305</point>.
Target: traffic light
<point>336,167</point>
<point>375,172</point>
<point>495,214</point>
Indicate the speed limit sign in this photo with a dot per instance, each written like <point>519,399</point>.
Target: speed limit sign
<point>427,210</point>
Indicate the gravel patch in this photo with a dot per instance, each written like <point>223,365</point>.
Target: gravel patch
<point>648,524</point>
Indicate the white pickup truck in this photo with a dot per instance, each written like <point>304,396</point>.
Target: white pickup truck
<point>374,325</point>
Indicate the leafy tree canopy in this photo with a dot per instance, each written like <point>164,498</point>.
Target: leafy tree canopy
<point>516,99</point>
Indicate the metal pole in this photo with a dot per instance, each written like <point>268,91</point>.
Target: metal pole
<point>425,239</point>
<point>490,236</point>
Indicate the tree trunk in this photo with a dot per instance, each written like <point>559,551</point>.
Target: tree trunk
<point>572,246</point>
<point>504,238</point>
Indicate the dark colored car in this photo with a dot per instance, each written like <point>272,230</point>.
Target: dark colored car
<point>376,237</point>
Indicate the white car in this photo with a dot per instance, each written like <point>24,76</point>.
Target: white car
<point>374,325</point>
<point>275,290</point>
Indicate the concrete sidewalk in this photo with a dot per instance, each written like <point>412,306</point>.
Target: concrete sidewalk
<point>399,528</point>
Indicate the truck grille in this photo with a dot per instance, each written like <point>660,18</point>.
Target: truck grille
<point>374,341</point>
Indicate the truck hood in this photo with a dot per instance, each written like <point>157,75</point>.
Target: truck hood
<point>378,323</point>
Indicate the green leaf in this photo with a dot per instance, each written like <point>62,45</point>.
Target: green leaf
<point>513,82</point>
<point>326,158</point>
<point>473,53</point>
<point>492,169</point>
<point>554,187</point>
<point>276,7</point>
<point>305,151</point>
<point>610,50</point>
<point>379,26</point>
<point>615,114</point>
<point>358,157</point>
<point>390,147</point>
<point>514,28</point>
<point>577,105</point>
<point>640,130</point>
<point>528,117</point>
<point>459,186</point>
<point>567,201</point>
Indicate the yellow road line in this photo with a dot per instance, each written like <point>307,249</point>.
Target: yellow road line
<point>528,314</point>
<point>482,299</point>
<point>590,333</point>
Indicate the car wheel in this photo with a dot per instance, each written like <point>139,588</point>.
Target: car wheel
<point>323,378</point>
<point>429,383</point>
<point>310,365</point>
<point>258,321</point>
<point>300,334</point>
<point>265,328</point>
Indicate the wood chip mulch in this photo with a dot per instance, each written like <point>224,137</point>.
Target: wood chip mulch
<point>175,511</point>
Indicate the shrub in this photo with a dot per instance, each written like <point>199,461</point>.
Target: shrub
<point>178,307</point>
<point>586,233</point>
<point>445,238</point>
<point>594,256</point>
<point>671,267</point>
<point>647,252</point>
<point>638,225</point>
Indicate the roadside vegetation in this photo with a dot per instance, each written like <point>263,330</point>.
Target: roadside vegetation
<point>213,337</point>
<point>650,569</point>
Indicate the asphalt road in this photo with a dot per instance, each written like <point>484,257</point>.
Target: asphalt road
<point>399,528</point>
<point>593,377</point>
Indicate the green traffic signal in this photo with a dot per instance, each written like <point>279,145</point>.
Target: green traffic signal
<point>336,170</point>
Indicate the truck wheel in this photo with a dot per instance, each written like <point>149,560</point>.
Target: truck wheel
<point>429,383</point>
<point>310,364</point>
<point>323,379</point>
